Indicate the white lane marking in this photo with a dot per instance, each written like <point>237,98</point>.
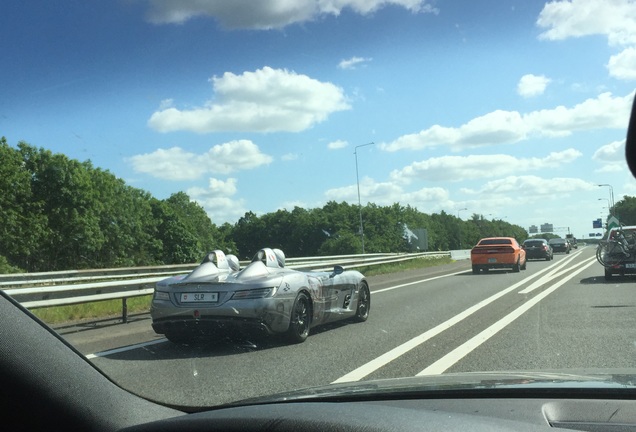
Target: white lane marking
<point>375,364</point>
<point>417,282</point>
<point>124,349</point>
<point>461,351</point>
<point>556,271</point>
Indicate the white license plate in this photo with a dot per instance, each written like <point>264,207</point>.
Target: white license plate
<point>630,265</point>
<point>199,297</point>
<point>492,260</point>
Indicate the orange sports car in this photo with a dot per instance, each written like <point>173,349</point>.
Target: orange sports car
<point>498,252</point>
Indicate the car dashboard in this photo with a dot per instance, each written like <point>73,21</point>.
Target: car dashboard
<point>47,384</point>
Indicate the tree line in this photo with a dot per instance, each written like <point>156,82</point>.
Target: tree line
<point>57,213</point>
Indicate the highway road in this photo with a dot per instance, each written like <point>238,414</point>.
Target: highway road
<point>556,315</point>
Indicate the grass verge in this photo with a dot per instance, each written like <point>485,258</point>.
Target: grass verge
<point>95,310</point>
<point>413,264</point>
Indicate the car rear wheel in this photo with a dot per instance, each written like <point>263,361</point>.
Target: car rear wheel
<point>364,303</point>
<point>300,319</point>
<point>608,274</point>
<point>475,269</point>
<point>516,268</point>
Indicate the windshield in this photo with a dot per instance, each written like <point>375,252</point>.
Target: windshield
<point>356,151</point>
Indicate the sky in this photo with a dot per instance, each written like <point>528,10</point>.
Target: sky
<point>510,109</point>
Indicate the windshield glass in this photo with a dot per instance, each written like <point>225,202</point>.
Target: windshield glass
<point>355,151</point>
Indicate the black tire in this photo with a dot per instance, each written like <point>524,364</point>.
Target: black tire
<point>300,319</point>
<point>364,304</point>
<point>525,263</point>
<point>516,268</point>
<point>547,258</point>
<point>608,275</point>
<point>475,269</point>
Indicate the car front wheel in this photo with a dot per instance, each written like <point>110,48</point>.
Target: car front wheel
<point>300,319</point>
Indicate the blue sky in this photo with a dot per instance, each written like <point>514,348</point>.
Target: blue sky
<point>515,110</point>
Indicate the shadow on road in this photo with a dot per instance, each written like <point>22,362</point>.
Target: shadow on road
<point>600,280</point>
<point>206,346</point>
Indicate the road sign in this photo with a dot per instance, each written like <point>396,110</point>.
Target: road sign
<point>612,222</point>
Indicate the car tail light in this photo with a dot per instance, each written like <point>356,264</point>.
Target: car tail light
<point>253,294</point>
<point>492,250</point>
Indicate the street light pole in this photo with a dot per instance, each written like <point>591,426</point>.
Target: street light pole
<point>611,190</point>
<point>355,152</point>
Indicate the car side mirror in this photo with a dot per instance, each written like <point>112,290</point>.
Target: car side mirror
<point>337,270</point>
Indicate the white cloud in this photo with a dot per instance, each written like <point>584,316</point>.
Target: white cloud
<point>178,164</point>
<point>289,157</point>
<point>611,168</point>
<point>623,65</point>
<point>602,112</point>
<point>237,14</point>
<point>494,128</point>
<point>267,100</point>
<point>615,19</point>
<point>335,145</point>
<point>218,201</point>
<point>611,158</point>
<point>509,127</point>
<point>170,164</point>
<point>533,186</point>
<point>461,168</point>
<point>532,85</point>
<point>612,152</point>
<point>353,62</point>
<point>388,193</point>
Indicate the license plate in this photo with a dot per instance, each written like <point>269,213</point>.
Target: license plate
<point>492,260</point>
<point>199,297</point>
<point>630,265</point>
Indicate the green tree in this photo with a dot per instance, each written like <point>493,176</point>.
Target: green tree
<point>22,225</point>
<point>625,210</point>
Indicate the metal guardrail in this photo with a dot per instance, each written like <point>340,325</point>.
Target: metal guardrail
<point>38,290</point>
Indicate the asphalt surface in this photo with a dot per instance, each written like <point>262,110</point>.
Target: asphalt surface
<point>557,315</point>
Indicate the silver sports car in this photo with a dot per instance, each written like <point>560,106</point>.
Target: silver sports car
<point>218,298</point>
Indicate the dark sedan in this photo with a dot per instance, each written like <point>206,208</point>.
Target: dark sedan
<point>560,245</point>
<point>538,249</point>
